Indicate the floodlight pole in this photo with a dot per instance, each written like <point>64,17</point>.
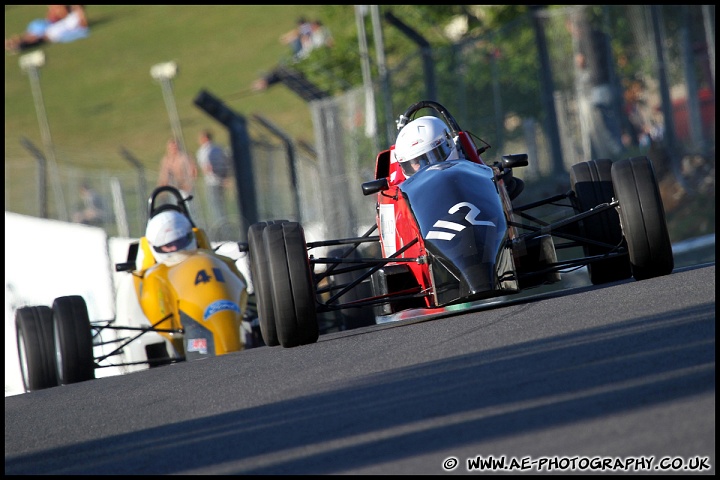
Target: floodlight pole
<point>383,73</point>
<point>370,118</point>
<point>31,63</point>
<point>164,73</point>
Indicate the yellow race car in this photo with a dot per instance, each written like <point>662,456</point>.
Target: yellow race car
<point>180,300</point>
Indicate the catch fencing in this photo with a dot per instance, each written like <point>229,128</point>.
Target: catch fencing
<point>564,85</point>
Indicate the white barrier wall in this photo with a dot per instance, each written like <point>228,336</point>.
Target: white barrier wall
<point>46,259</point>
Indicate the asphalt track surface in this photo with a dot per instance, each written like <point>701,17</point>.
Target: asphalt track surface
<point>593,375</point>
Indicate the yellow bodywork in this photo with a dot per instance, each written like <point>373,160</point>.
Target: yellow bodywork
<point>205,295</point>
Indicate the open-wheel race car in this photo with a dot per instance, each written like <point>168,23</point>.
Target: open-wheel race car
<point>449,233</point>
<point>177,300</point>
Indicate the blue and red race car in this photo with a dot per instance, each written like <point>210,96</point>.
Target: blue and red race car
<point>454,233</point>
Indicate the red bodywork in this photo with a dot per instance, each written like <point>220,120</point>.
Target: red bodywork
<point>405,226</point>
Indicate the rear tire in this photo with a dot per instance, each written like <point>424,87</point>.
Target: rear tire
<point>73,340</point>
<point>592,183</point>
<point>643,218</point>
<point>292,284</point>
<point>34,326</point>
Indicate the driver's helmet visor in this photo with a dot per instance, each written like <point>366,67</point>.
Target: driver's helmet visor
<point>179,244</point>
<point>437,154</point>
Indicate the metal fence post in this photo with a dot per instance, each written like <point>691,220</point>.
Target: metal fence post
<point>547,93</point>
<point>290,151</point>
<point>142,182</point>
<point>31,64</point>
<point>425,51</point>
<point>242,157</point>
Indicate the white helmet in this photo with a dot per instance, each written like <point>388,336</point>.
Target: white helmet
<point>422,142</point>
<point>169,233</point>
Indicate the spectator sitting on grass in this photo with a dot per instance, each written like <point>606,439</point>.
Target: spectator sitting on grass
<point>36,28</point>
<point>70,27</point>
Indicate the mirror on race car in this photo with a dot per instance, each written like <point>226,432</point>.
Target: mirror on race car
<point>515,160</point>
<point>124,267</point>
<point>375,186</point>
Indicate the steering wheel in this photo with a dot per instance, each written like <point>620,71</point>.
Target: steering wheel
<point>416,107</point>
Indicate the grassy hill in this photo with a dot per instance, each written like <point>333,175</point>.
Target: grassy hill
<point>99,95</point>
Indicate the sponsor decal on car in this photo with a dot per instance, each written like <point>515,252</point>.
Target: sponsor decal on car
<point>219,306</point>
<point>471,218</point>
<point>197,345</point>
<point>387,228</point>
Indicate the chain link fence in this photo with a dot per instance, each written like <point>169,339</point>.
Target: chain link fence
<point>603,82</point>
<point>564,85</point>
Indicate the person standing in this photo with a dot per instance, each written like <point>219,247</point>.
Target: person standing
<point>215,165</point>
<point>92,209</point>
<point>178,169</point>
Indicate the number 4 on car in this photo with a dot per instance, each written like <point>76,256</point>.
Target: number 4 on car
<point>178,300</point>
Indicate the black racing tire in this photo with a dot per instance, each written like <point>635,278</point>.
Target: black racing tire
<point>36,351</point>
<point>292,284</point>
<point>75,361</point>
<point>592,183</point>
<point>643,218</point>
<point>259,269</point>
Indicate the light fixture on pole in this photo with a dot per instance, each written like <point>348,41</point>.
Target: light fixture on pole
<point>370,119</point>
<point>164,73</point>
<point>30,63</point>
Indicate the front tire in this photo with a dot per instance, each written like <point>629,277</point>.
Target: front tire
<point>643,218</point>
<point>292,284</point>
<point>34,327</point>
<point>262,282</point>
<point>592,183</point>
<point>73,340</point>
